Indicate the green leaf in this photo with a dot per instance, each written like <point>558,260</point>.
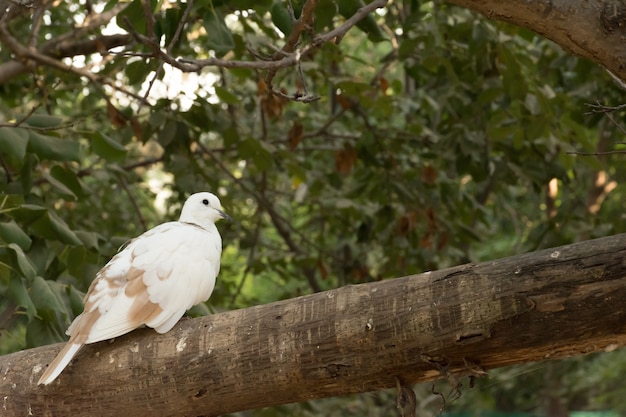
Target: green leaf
<point>219,37</point>
<point>13,141</point>
<point>46,295</point>
<point>62,229</point>
<point>325,13</point>
<point>226,96</point>
<point>11,232</point>
<point>347,8</point>
<point>89,239</point>
<point>281,17</point>
<point>39,333</point>
<point>76,300</point>
<point>48,147</point>
<point>45,121</point>
<point>167,23</point>
<point>18,292</point>
<point>132,17</point>
<point>26,173</point>
<point>25,265</point>
<point>168,133</point>
<point>108,148</point>
<point>69,179</point>
<point>137,71</point>
<point>59,186</point>
<point>50,226</point>
<point>256,151</point>
<point>27,213</point>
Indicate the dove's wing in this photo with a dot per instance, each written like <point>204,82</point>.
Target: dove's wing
<point>153,281</point>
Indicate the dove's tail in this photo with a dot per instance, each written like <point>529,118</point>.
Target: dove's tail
<point>59,363</point>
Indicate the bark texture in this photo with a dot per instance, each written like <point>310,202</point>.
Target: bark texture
<point>448,323</point>
<point>593,29</point>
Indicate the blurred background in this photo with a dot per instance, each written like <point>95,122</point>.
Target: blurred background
<point>427,137</point>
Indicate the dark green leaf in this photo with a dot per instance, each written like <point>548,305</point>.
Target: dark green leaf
<point>51,226</point>
<point>46,295</point>
<point>13,141</point>
<point>24,264</point>
<point>89,239</point>
<point>133,17</point>
<point>219,37</point>
<point>27,213</point>
<point>59,186</point>
<point>137,71</point>
<point>325,14</point>
<point>256,151</point>
<point>26,173</point>
<point>281,17</point>
<point>39,333</point>
<point>347,8</point>
<point>43,121</point>
<point>226,96</point>
<point>108,148</point>
<point>68,178</point>
<point>11,232</point>
<point>49,147</point>
<point>76,300</point>
<point>18,292</point>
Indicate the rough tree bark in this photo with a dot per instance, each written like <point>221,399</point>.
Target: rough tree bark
<point>595,30</point>
<point>448,323</point>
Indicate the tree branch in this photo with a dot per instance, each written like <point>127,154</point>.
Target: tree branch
<point>67,46</point>
<point>590,29</point>
<point>289,60</point>
<point>303,24</point>
<point>450,323</point>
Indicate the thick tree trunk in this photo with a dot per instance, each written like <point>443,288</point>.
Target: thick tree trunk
<point>591,29</point>
<point>450,323</point>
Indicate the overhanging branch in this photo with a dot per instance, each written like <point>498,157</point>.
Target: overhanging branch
<point>591,29</point>
<point>454,322</point>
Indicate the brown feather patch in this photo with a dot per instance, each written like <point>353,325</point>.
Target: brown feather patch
<point>135,284</point>
<point>82,328</point>
<point>142,309</point>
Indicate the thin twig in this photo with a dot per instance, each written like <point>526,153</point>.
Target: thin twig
<point>24,118</point>
<point>281,225</point>
<point>37,21</point>
<point>302,98</point>
<point>6,169</point>
<point>595,153</point>
<point>601,108</point>
<point>143,163</point>
<point>181,25</point>
<point>149,18</point>
<point>620,127</point>
<point>133,201</point>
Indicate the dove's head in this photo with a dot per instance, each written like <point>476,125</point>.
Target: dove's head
<point>202,208</point>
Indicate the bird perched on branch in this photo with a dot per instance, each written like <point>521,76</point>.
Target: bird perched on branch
<point>152,281</point>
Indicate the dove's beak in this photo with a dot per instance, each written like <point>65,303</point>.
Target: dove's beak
<point>224,215</point>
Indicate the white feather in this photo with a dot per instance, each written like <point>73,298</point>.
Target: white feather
<point>170,268</point>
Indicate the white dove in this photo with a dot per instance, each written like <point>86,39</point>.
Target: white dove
<point>152,281</point>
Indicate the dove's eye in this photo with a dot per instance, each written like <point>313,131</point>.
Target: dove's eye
<point>205,202</point>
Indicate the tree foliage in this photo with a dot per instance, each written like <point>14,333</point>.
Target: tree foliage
<point>422,136</point>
